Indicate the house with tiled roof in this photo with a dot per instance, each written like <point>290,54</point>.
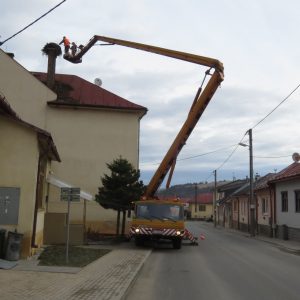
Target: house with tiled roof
<point>201,206</point>
<point>91,127</point>
<point>224,204</point>
<point>240,207</point>
<point>286,185</point>
<point>26,152</point>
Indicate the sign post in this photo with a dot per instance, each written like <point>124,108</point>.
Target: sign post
<point>69,194</point>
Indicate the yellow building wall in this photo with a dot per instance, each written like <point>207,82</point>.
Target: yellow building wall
<point>25,94</point>
<point>201,214</point>
<point>19,164</point>
<point>87,139</point>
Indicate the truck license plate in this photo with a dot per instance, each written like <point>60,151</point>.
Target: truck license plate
<point>155,231</point>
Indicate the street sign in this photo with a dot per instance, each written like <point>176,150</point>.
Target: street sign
<point>70,194</point>
<point>64,194</point>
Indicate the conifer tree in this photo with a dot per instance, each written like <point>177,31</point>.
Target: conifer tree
<point>120,188</point>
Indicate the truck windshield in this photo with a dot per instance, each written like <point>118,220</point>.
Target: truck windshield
<point>159,211</point>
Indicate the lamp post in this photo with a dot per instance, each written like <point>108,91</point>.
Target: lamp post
<point>215,199</point>
<point>252,204</point>
<point>196,192</point>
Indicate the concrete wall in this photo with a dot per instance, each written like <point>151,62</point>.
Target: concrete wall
<point>87,139</point>
<point>26,95</point>
<point>56,230</point>
<point>19,164</point>
<point>290,218</point>
<point>39,235</point>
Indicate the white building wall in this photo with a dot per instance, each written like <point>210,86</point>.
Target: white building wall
<point>26,95</point>
<point>289,218</point>
<point>87,140</point>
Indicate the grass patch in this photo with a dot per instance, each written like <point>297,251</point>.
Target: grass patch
<point>78,257</point>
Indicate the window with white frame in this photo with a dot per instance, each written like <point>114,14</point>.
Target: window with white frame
<point>297,201</point>
<point>264,205</point>
<point>284,201</point>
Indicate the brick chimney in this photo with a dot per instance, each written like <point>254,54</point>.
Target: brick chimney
<point>52,50</point>
<point>51,68</point>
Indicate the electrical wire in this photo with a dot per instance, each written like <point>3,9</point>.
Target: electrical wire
<point>238,144</point>
<point>286,98</point>
<point>207,153</point>
<point>1,43</point>
<point>199,155</point>
<point>272,156</point>
<point>211,174</point>
<point>230,155</point>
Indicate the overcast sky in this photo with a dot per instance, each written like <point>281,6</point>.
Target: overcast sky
<point>257,41</point>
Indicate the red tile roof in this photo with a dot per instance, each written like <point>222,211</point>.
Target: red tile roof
<point>290,172</point>
<point>205,198</point>
<point>262,182</point>
<point>83,93</point>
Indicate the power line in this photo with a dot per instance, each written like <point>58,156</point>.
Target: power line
<point>211,174</point>
<point>190,157</point>
<point>1,43</point>
<point>230,155</point>
<point>287,97</point>
<point>207,153</point>
<point>272,156</point>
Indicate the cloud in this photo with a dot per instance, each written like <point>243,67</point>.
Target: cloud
<point>255,41</point>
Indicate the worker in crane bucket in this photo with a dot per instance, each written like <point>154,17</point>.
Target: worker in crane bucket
<point>66,43</point>
<point>73,49</point>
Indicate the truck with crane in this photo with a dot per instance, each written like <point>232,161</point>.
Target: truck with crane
<point>160,219</point>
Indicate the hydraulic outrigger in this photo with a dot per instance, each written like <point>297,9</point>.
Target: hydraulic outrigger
<point>142,227</point>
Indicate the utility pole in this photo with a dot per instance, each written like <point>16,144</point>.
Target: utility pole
<point>195,197</point>
<point>215,199</point>
<point>252,205</point>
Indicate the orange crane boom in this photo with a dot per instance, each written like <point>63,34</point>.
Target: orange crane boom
<point>200,102</point>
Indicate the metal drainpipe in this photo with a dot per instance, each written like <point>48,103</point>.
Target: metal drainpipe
<point>33,245</point>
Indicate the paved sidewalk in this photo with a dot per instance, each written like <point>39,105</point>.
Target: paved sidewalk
<point>109,277</point>
<point>288,245</point>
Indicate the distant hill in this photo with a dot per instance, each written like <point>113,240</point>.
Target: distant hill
<point>188,190</point>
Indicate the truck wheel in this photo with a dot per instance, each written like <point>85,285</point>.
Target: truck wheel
<point>139,241</point>
<point>177,243</point>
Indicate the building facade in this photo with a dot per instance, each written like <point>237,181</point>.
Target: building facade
<point>26,152</point>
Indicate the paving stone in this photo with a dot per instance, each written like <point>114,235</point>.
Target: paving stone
<point>106,278</point>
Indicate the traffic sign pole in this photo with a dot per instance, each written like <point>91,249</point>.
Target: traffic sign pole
<point>69,194</point>
<point>68,231</point>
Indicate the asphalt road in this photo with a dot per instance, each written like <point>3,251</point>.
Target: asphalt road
<point>224,266</point>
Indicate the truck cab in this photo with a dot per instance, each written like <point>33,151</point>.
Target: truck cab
<point>156,220</point>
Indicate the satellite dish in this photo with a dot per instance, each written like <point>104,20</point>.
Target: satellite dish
<point>98,81</point>
<point>296,157</point>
